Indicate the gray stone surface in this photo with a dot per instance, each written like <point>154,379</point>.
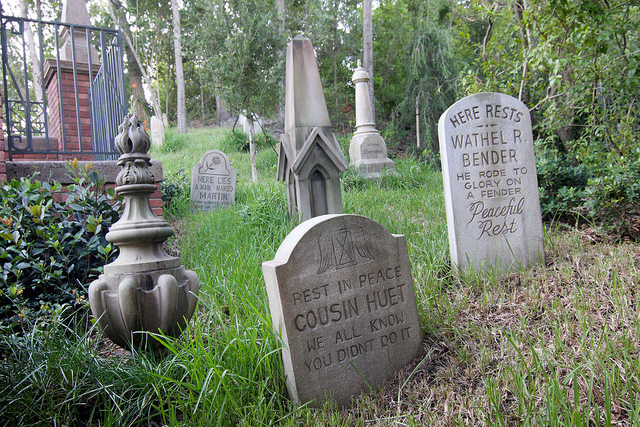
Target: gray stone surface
<point>75,12</point>
<point>367,151</point>
<point>341,296</point>
<point>144,289</point>
<point>490,184</point>
<point>56,170</point>
<point>213,181</point>
<point>309,156</point>
<point>157,131</point>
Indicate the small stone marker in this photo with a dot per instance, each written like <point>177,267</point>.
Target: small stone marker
<point>213,181</point>
<point>243,122</point>
<point>341,296</point>
<point>157,131</point>
<point>490,183</point>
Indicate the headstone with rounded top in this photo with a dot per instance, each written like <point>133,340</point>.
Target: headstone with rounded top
<point>213,181</point>
<point>490,184</point>
<point>341,297</point>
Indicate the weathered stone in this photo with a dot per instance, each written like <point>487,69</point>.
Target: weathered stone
<point>157,131</point>
<point>213,181</point>
<point>490,184</point>
<point>309,156</point>
<point>342,299</point>
<point>368,151</point>
<point>144,289</point>
<point>75,12</point>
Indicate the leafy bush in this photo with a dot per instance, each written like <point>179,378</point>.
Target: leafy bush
<point>562,186</point>
<point>51,250</point>
<point>614,199</point>
<point>176,190</point>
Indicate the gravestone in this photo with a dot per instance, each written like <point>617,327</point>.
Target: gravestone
<point>244,123</point>
<point>213,181</point>
<point>490,184</point>
<point>157,131</point>
<point>309,156</point>
<point>341,296</point>
<point>367,150</point>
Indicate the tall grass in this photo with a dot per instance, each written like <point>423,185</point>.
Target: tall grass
<point>555,345</point>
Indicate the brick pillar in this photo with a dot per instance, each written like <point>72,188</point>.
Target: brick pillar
<point>64,83</point>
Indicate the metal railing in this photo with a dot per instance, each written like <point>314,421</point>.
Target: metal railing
<point>38,56</point>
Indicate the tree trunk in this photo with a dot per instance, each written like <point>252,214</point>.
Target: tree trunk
<point>282,54</point>
<point>523,92</point>
<point>114,9</point>
<point>418,121</point>
<point>252,149</point>
<point>367,50</point>
<point>177,47</point>
<point>135,81</point>
<point>35,63</point>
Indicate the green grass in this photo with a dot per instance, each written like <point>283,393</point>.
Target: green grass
<point>555,345</point>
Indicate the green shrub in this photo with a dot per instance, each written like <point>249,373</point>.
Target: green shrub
<point>562,186</point>
<point>49,250</point>
<point>614,199</point>
<point>176,190</point>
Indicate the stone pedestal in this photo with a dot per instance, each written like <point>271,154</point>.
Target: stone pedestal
<point>368,151</point>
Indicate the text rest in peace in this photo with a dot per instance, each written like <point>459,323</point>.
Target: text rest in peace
<point>369,279</point>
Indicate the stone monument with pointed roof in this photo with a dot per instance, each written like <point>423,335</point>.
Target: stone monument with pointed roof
<point>368,151</point>
<point>309,156</point>
<point>74,12</point>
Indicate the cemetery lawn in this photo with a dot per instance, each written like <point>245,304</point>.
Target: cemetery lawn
<point>555,345</point>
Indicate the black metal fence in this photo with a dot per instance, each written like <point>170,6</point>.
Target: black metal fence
<point>84,65</point>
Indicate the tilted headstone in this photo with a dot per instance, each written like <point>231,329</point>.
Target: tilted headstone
<point>342,299</point>
<point>213,181</point>
<point>368,151</point>
<point>157,131</point>
<point>490,184</point>
<point>309,156</point>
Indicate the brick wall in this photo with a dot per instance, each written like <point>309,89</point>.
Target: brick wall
<point>50,165</point>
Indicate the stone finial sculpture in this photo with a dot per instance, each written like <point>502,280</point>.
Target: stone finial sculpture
<point>309,156</point>
<point>368,151</point>
<point>144,289</point>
